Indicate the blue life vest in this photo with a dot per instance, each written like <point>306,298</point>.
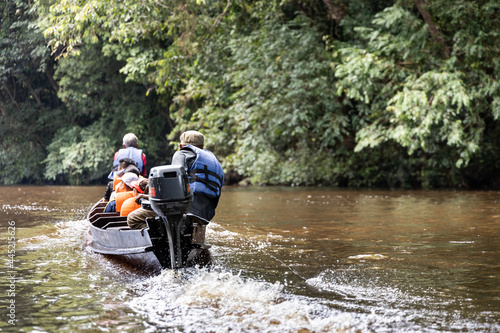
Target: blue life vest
<point>130,152</point>
<point>205,175</point>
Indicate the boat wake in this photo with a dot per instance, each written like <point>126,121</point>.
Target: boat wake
<point>374,291</point>
<point>216,300</point>
<point>58,235</point>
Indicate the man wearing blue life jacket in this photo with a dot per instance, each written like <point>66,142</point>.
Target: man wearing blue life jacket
<point>206,178</point>
<point>130,150</point>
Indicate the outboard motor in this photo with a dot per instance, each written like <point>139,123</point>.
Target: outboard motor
<point>170,198</point>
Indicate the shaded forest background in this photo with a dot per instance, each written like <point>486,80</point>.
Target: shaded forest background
<point>399,94</point>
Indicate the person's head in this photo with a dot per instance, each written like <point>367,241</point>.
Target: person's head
<point>141,186</point>
<point>125,162</point>
<point>194,138</point>
<point>128,179</point>
<point>130,140</point>
<point>127,165</point>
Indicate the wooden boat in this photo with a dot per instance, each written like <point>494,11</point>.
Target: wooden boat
<point>176,238</point>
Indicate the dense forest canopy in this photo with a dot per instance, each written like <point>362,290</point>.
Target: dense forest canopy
<point>298,92</point>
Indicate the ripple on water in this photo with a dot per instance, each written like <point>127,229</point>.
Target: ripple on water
<point>368,257</point>
<point>59,235</point>
<point>379,293</point>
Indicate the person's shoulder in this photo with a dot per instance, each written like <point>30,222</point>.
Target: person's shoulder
<point>187,151</point>
<point>187,148</point>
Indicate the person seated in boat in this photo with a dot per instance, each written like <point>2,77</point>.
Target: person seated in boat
<point>119,185</point>
<point>130,150</point>
<point>141,190</point>
<point>206,178</point>
<point>126,165</point>
<point>123,191</point>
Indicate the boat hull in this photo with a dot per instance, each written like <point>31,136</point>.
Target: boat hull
<point>110,235</point>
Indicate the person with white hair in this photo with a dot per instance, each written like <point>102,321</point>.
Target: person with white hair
<point>130,150</point>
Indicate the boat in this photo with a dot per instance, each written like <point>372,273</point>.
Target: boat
<point>174,237</point>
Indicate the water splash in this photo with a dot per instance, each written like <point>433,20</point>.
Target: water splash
<point>202,300</point>
<point>363,257</point>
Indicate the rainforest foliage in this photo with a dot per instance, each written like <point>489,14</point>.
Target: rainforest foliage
<point>384,93</point>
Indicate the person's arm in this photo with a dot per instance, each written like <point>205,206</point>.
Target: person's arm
<point>184,157</point>
<point>179,158</point>
<point>143,165</point>
<point>141,196</point>
<point>109,190</point>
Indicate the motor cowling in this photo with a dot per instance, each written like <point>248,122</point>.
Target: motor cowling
<point>169,192</point>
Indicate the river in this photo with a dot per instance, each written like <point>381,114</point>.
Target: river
<point>284,260</point>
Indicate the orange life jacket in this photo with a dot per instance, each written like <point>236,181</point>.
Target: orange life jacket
<point>121,187</point>
<point>129,206</point>
<point>116,180</point>
<point>121,197</point>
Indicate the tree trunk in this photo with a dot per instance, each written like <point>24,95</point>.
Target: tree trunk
<point>32,91</point>
<point>50,76</point>
<point>337,10</point>
<point>433,29</point>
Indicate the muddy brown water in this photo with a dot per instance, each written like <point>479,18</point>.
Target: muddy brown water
<point>285,260</point>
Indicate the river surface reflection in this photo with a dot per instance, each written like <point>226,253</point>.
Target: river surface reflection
<point>285,260</point>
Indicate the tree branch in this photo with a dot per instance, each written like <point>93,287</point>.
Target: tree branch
<point>32,91</point>
<point>433,29</point>
<point>219,18</point>
<point>3,110</point>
